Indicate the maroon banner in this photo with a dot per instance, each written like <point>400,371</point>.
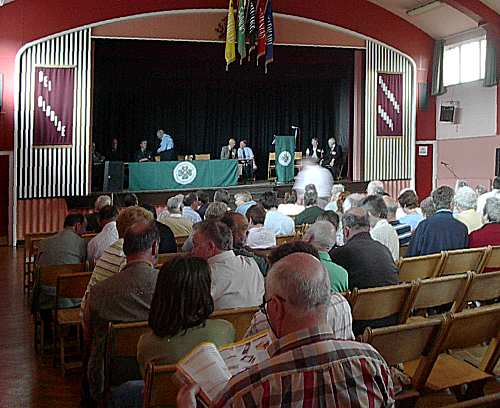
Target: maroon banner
<point>389,104</point>
<point>54,99</point>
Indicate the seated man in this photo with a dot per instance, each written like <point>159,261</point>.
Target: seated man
<point>204,200</point>
<point>290,206</point>
<point>172,217</point>
<point>375,187</point>
<point>167,239</point>
<point>236,280</point>
<point>277,222</point>
<point>308,366</point>
<point>402,230</point>
<point>107,236</point>
<point>191,205</point>
<point>258,236</point>
<point>465,202</point>
<point>381,230</point>
<point>311,211</point>
<point>333,157</point>
<point>243,202</point>
<point>143,154</point>
<point>322,236</point>
<point>124,297</point>
<point>247,159</point>
<point>441,232</point>
<point>229,152</point>
<point>93,217</point>
<point>495,192</point>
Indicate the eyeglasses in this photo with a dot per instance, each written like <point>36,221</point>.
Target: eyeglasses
<point>264,303</point>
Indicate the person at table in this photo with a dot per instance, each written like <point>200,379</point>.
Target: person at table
<point>115,152</point>
<point>332,159</point>
<point>143,154</point>
<point>247,158</point>
<point>166,149</point>
<point>229,152</point>
<point>314,151</point>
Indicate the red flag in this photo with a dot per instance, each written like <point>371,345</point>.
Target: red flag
<point>261,32</point>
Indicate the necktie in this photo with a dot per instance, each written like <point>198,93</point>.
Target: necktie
<point>244,153</point>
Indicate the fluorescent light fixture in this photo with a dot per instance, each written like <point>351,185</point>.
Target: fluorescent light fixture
<point>424,8</point>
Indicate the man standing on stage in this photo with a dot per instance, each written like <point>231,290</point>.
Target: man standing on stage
<point>115,153</point>
<point>228,152</point>
<point>143,154</point>
<point>246,157</point>
<point>166,149</point>
<point>333,158</point>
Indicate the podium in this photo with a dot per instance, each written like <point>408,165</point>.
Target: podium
<point>285,158</point>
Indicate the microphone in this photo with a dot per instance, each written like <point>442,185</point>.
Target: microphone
<point>295,127</point>
<point>444,163</point>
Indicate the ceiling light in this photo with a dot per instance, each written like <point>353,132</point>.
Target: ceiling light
<point>424,9</point>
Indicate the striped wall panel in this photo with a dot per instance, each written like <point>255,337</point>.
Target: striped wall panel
<point>55,171</point>
<point>40,216</point>
<point>393,187</point>
<point>388,158</point>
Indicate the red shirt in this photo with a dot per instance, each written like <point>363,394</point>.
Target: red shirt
<point>488,234</point>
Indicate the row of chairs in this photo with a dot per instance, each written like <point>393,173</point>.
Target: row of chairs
<point>449,262</point>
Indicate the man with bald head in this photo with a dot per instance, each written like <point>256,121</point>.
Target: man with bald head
<point>307,364</point>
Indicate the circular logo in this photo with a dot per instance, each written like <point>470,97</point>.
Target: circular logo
<point>184,172</point>
<point>284,158</point>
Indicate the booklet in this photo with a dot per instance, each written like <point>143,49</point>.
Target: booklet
<point>212,368</point>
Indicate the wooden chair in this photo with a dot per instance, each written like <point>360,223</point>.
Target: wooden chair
<point>205,156</point>
<point>420,267</point>
<point>31,242</point>
<point>377,303</point>
<point>179,240</point>
<point>488,401</point>
<point>239,317</point>
<point>435,292</point>
<point>283,239</point>
<point>165,258</point>
<point>403,343</point>
<point>70,286</point>
<point>298,161</point>
<point>403,249</point>
<point>462,260</point>
<point>491,261</point>
<point>483,287</point>
<point>271,165</point>
<point>159,388</point>
<point>181,157</point>
<point>439,370</point>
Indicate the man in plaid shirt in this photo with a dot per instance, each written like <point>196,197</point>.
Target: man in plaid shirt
<point>307,367</point>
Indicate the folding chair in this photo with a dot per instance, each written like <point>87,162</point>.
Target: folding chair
<point>271,165</point>
<point>165,258</point>
<point>283,239</point>
<point>69,286</point>
<point>31,242</point>
<point>488,401</point>
<point>491,261</point>
<point>462,260</point>
<point>483,287</point>
<point>240,318</point>
<point>205,156</point>
<point>420,267</point>
<point>159,388</point>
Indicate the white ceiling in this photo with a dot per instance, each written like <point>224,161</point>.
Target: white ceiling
<point>440,22</point>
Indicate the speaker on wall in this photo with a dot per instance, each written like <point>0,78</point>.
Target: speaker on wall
<point>113,176</point>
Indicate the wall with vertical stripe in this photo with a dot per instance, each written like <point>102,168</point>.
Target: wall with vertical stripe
<point>388,158</point>
<point>55,171</point>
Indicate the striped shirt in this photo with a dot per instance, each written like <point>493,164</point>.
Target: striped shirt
<point>309,368</point>
<point>403,231</point>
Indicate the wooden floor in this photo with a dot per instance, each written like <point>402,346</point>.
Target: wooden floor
<point>26,380</point>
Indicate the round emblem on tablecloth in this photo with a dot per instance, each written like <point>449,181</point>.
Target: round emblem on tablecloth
<point>284,158</point>
<point>184,172</point>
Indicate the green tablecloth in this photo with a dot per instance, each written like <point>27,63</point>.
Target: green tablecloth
<point>175,175</point>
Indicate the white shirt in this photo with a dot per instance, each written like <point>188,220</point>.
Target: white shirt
<point>290,209</point>
<point>236,281</point>
<point>317,175</point>
<point>279,223</point>
<point>385,233</point>
<point>481,201</point>
<point>102,241</point>
<point>260,238</point>
<point>190,214</point>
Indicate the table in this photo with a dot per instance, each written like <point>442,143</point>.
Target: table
<point>182,175</point>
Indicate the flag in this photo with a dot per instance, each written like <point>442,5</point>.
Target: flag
<point>261,30</point>
<point>242,46</point>
<point>54,96</point>
<point>251,27</point>
<point>269,33</point>
<point>230,36</point>
<point>285,158</point>
<point>389,104</point>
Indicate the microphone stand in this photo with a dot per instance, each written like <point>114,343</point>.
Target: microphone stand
<point>450,169</point>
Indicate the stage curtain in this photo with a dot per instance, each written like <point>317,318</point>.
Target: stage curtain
<point>490,70</point>
<point>438,87</point>
<point>201,105</point>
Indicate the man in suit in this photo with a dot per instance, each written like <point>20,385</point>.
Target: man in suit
<point>229,152</point>
<point>143,154</point>
<point>441,232</point>
<point>332,158</point>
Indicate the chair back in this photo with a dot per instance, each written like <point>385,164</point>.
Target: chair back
<point>271,165</point>
<point>492,259</point>
<point>405,342</point>
<point>283,239</point>
<point>159,388</point>
<point>240,318</point>
<point>403,249</point>
<point>377,303</point>
<point>204,156</point>
<point>165,258</point>
<point>487,401</point>
<point>420,267</point>
<point>179,240</point>
<point>47,275</point>
<point>441,291</point>
<point>483,287</point>
<point>462,260</point>
<point>72,285</point>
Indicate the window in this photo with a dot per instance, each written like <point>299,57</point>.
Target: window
<point>464,62</point>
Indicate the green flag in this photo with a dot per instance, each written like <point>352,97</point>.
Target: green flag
<point>242,45</point>
<point>285,158</point>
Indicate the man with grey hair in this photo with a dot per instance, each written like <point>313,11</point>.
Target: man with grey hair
<point>352,201</point>
<point>336,190</point>
<point>495,192</point>
<point>375,187</point>
<point>441,232</point>
<point>489,233</point>
<point>172,217</point>
<point>322,236</point>
<point>428,208</point>
<point>93,222</point>
<point>465,208</point>
<point>305,351</point>
<point>243,202</point>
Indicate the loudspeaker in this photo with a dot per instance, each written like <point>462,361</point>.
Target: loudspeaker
<point>113,176</point>
<point>497,163</point>
<point>423,96</point>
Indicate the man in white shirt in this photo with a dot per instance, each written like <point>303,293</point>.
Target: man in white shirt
<point>107,236</point>
<point>380,229</point>
<point>275,221</point>
<point>247,159</point>
<point>259,237</point>
<point>236,280</point>
<point>166,149</point>
<point>481,201</point>
<point>191,204</point>
<point>313,173</point>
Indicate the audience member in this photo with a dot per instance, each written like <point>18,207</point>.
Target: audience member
<point>204,200</point>
<point>489,233</point>
<point>381,230</point>
<point>402,230</point>
<point>167,238</point>
<point>124,297</point>
<point>243,202</point>
<point>305,350</point>
<point>480,190</point>
<point>107,236</point>
<point>322,235</point>
<point>481,201</point>
<point>428,208</point>
<point>258,236</point>
<point>290,206</point>
<point>375,187</point>
<point>173,218</point>
<point>337,189</point>
<point>408,201</point>
<point>191,205</point>
<point>223,196</point>
<point>441,232</point>
<point>275,221</point>
<point>353,200</point>
<point>334,219</point>
<point>236,280</point>
<point>321,178</point>
<point>312,210</point>
<point>465,208</point>
<point>93,218</point>
<point>130,200</point>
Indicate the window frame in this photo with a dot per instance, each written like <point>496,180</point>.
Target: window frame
<point>481,62</point>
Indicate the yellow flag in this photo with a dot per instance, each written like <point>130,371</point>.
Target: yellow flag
<point>230,36</point>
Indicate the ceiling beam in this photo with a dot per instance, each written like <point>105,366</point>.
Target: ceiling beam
<point>478,11</point>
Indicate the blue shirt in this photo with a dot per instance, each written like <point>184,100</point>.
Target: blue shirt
<point>280,224</point>
<point>245,153</point>
<point>190,214</point>
<point>242,209</point>
<point>167,143</point>
<point>412,220</point>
